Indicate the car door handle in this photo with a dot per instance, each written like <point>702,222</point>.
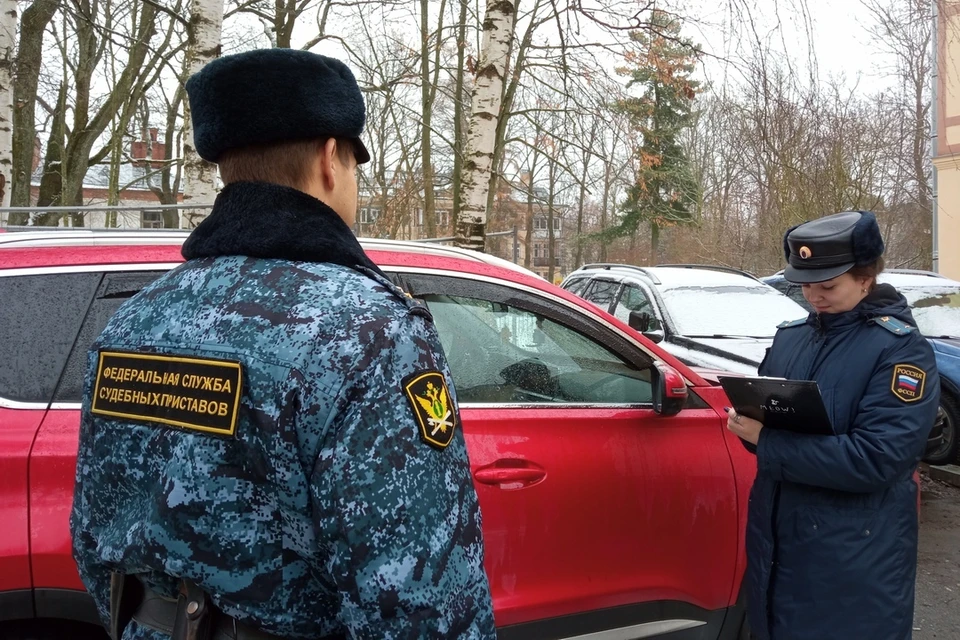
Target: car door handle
<point>510,472</point>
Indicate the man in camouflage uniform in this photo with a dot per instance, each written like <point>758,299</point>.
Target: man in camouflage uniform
<point>270,443</point>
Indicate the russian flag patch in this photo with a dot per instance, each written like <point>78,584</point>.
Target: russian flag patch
<point>908,382</point>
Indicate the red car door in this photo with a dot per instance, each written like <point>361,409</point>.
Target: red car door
<point>40,315</point>
<point>54,455</point>
<point>598,514</point>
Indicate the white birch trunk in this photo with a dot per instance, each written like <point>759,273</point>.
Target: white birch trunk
<point>199,176</point>
<point>8,30</point>
<point>498,27</point>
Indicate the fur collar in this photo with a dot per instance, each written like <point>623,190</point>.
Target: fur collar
<point>263,220</point>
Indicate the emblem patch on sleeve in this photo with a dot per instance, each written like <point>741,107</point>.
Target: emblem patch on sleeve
<point>432,407</point>
<point>196,394</point>
<point>908,382</point>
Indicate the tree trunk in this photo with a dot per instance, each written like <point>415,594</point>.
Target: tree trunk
<point>33,23</point>
<point>458,120</point>
<point>508,93</point>
<point>426,111</point>
<point>606,202</point>
<point>528,239</point>
<point>485,114</point>
<point>8,30</point>
<point>578,259</point>
<point>85,132</point>
<point>551,236</point>
<point>654,242</point>
<point>51,184</point>
<point>199,176</point>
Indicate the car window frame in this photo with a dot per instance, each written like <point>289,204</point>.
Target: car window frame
<point>78,354</point>
<point>100,269</point>
<point>606,279</point>
<point>651,298</point>
<point>424,281</point>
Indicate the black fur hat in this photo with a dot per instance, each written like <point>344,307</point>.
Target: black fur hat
<point>274,95</point>
<point>823,249</point>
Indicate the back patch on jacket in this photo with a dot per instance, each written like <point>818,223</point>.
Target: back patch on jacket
<point>908,382</point>
<point>196,394</point>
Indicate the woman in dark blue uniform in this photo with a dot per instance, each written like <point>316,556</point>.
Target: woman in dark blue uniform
<point>832,526</point>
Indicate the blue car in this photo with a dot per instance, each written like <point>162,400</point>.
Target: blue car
<point>935,302</point>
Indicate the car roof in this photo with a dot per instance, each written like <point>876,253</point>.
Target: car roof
<point>672,276</point>
<point>916,279</point>
<point>899,278</point>
<point>87,246</point>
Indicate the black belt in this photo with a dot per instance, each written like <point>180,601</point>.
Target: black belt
<point>159,612</point>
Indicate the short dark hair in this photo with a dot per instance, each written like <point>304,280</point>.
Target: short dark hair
<point>871,270</point>
<point>284,163</point>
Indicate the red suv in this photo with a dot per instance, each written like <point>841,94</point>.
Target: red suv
<point>613,498</point>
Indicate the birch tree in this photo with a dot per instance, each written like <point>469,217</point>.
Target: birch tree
<point>203,45</point>
<point>8,28</point>
<point>485,113</point>
<point>33,24</point>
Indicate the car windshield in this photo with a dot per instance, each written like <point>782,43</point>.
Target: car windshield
<point>936,309</point>
<point>729,311</point>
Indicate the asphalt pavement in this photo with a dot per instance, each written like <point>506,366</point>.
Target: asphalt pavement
<point>937,614</point>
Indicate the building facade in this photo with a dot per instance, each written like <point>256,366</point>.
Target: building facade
<point>946,161</point>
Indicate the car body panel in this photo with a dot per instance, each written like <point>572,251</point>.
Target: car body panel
<point>19,428</point>
<point>663,498</point>
<point>643,471</point>
<point>53,463</point>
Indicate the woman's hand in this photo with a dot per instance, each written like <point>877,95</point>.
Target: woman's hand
<point>746,428</point>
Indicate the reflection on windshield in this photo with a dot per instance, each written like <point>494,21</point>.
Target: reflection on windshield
<point>729,311</point>
<point>936,310</point>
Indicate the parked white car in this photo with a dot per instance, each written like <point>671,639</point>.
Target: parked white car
<point>709,317</point>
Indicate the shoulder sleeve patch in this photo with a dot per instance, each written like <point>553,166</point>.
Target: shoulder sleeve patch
<point>908,382</point>
<point>433,409</point>
<point>190,393</point>
<point>894,326</point>
<point>792,323</point>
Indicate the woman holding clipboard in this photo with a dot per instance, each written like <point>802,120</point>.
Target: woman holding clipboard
<point>832,525</point>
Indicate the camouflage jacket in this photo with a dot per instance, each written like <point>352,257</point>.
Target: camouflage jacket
<point>275,420</point>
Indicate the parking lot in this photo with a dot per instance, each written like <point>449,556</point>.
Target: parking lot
<point>937,615</point>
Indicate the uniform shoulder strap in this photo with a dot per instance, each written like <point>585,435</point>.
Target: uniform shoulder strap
<point>894,326</point>
<point>792,323</point>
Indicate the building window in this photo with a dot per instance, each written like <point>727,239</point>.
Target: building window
<point>540,223</point>
<point>151,219</point>
<point>369,215</point>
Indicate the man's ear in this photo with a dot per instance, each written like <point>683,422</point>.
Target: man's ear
<point>328,164</point>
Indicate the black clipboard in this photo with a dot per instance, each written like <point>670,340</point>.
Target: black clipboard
<point>791,405</point>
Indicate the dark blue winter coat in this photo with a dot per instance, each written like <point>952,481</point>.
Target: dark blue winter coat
<point>832,527</point>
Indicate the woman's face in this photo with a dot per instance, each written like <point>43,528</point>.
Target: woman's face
<point>843,293</point>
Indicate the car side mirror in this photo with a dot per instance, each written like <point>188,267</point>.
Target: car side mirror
<point>639,320</point>
<point>669,390</point>
<point>655,336</point>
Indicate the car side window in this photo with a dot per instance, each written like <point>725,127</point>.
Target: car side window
<point>116,288</point>
<point>633,298</point>
<point>39,319</point>
<point>500,353</point>
<point>576,286</point>
<point>601,293</point>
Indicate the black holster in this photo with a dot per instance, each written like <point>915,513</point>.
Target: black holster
<point>194,612</point>
<point>126,593</point>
